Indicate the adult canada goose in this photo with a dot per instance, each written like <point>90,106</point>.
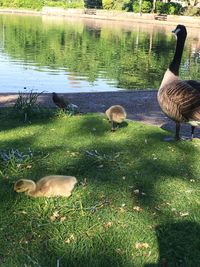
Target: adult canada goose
<point>178,99</point>
<point>59,101</point>
<point>116,114</point>
<point>48,186</point>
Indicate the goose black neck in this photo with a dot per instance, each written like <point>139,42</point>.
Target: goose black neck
<point>175,64</point>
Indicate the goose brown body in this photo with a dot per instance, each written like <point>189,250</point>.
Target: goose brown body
<point>48,186</point>
<point>181,102</point>
<point>179,99</point>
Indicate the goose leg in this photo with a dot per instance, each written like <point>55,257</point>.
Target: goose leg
<point>192,132</point>
<point>113,128</point>
<point>177,136</point>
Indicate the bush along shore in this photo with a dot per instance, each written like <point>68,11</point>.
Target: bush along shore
<point>188,8</point>
<point>115,15</point>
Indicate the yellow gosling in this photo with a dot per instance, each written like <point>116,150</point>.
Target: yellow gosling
<point>48,186</point>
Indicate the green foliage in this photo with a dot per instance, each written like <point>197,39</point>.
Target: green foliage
<point>136,7</point>
<point>127,5</point>
<point>55,4</point>
<point>146,6</point>
<point>108,4</point>
<point>117,4</point>
<point>168,8</point>
<point>26,104</point>
<point>38,4</point>
<point>34,4</point>
<point>12,160</point>
<point>191,11</point>
<point>174,8</point>
<point>93,3</point>
<point>74,4</point>
<point>161,7</point>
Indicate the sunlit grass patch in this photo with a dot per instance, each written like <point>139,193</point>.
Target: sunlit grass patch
<point>134,191</point>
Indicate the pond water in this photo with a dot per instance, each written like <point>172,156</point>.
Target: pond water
<point>77,55</point>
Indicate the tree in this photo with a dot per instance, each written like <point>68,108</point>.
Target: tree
<point>192,2</point>
<point>154,5</point>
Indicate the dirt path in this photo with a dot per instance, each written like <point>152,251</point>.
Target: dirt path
<point>140,106</point>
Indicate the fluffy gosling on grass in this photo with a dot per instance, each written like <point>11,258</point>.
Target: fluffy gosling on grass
<point>116,114</point>
<point>48,186</point>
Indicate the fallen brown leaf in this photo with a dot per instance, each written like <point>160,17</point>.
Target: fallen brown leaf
<point>54,216</point>
<point>62,219</point>
<point>183,214</point>
<point>84,182</point>
<point>141,245</point>
<point>137,208</point>
<point>69,239</point>
<point>136,191</point>
<point>108,224</point>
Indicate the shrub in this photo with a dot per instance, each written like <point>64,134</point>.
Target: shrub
<point>55,4</point>
<point>74,4</point>
<point>34,4</point>
<point>161,8</point>
<point>118,4</point>
<point>26,104</point>
<point>191,11</point>
<point>108,4</point>
<point>168,8</point>
<point>174,8</point>
<point>127,5</point>
<point>38,4</point>
<point>136,7</point>
<point>146,7</point>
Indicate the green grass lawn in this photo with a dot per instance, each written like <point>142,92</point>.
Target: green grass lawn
<point>137,202</point>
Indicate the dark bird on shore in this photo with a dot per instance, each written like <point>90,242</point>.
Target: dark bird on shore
<point>116,114</point>
<point>59,101</point>
<point>180,99</point>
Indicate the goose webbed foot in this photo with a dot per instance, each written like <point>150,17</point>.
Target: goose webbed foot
<point>113,129</point>
<point>168,139</point>
<point>178,138</point>
<point>177,135</point>
<point>171,139</point>
<point>192,132</point>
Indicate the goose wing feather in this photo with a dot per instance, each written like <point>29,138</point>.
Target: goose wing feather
<point>194,84</point>
<point>185,97</point>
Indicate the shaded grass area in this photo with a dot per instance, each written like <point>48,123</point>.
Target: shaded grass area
<point>136,204</point>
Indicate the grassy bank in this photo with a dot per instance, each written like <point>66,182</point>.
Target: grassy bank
<point>136,204</point>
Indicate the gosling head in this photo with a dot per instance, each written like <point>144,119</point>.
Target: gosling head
<point>21,186</point>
